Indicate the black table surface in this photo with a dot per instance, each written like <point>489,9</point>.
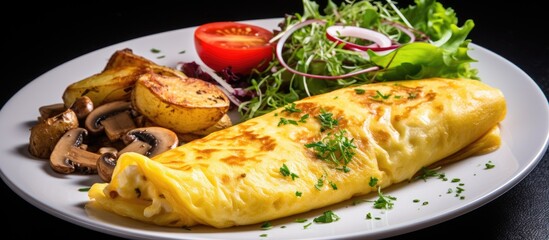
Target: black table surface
<point>39,40</point>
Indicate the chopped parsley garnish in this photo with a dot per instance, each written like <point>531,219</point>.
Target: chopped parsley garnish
<point>425,203</point>
<point>425,173</point>
<point>455,180</point>
<point>182,51</point>
<point>266,226</point>
<point>326,217</point>
<point>383,201</point>
<point>301,220</point>
<point>263,235</point>
<point>334,186</point>
<point>84,189</point>
<point>326,120</point>
<point>303,118</point>
<point>319,183</point>
<point>298,193</point>
<point>291,108</point>
<point>336,148</point>
<point>369,216</point>
<point>160,57</point>
<point>285,171</point>
<point>154,50</point>
<point>489,165</point>
<point>359,91</point>
<point>373,181</point>
<point>307,225</point>
<point>416,200</point>
<point>284,121</point>
<point>380,95</point>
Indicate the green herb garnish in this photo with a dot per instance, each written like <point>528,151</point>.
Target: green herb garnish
<point>335,148</point>
<point>373,182</point>
<point>266,226</point>
<point>383,201</point>
<point>327,217</point>
<point>489,165</point>
<point>284,121</point>
<point>285,171</point>
<point>319,183</point>
<point>380,95</point>
<point>326,120</point>
<point>334,186</point>
<point>291,108</point>
<point>303,118</point>
<point>425,173</point>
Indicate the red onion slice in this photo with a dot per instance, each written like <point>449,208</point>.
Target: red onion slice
<point>288,33</point>
<point>381,41</point>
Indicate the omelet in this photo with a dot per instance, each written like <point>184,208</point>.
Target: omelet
<point>312,153</point>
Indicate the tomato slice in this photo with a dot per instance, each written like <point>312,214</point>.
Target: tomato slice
<point>243,47</point>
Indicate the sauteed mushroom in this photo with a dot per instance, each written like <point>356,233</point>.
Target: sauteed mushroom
<point>115,118</point>
<point>70,155</point>
<point>45,134</point>
<point>149,141</point>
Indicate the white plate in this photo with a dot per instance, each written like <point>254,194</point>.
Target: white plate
<point>525,134</point>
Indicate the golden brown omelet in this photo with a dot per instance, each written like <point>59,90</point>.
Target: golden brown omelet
<point>319,151</point>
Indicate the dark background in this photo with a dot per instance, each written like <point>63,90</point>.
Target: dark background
<point>39,38</point>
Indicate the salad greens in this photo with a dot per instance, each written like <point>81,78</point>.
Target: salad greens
<point>438,48</point>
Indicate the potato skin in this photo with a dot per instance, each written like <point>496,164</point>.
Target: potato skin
<point>126,58</point>
<point>113,84</point>
<point>183,105</point>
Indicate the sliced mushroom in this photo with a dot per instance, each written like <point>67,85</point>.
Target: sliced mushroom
<point>48,111</point>
<point>148,141</point>
<point>105,165</point>
<point>68,156</point>
<point>45,135</point>
<point>114,118</point>
<point>82,106</point>
<point>158,138</point>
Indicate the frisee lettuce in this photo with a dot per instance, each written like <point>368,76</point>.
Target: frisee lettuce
<point>441,50</point>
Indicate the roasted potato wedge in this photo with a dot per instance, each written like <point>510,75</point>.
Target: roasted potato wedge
<point>113,84</point>
<point>183,105</point>
<point>224,122</point>
<point>126,57</point>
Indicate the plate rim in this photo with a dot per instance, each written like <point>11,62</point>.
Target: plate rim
<point>390,231</point>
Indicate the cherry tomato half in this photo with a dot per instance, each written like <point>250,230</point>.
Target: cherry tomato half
<point>238,45</point>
